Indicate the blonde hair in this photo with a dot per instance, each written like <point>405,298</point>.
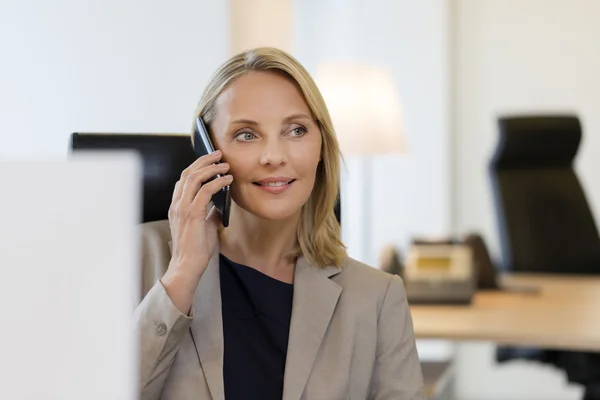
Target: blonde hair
<point>318,232</point>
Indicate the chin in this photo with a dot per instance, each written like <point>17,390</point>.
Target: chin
<point>271,210</point>
<point>274,213</point>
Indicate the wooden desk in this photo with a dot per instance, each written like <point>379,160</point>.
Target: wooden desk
<point>565,314</point>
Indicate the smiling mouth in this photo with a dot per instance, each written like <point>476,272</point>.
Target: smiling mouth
<point>273,184</point>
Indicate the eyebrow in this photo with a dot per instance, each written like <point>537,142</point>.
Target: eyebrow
<point>296,116</point>
<point>286,119</point>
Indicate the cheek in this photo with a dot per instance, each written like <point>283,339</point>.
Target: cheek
<point>241,166</point>
<point>239,163</point>
<point>307,159</point>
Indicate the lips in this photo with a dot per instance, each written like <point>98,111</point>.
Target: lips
<point>274,181</point>
<point>275,185</point>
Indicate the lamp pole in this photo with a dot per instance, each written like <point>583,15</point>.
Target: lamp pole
<point>367,221</point>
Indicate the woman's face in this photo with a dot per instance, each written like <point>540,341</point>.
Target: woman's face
<point>266,132</point>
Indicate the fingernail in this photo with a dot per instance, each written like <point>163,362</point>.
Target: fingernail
<point>217,152</point>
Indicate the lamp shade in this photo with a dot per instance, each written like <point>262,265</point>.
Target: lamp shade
<point>365,108</point>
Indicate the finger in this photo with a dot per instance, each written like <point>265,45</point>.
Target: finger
<point>208,190</point>
<point>177,191</point>
<point>202,162</point>
<point>199,177</point>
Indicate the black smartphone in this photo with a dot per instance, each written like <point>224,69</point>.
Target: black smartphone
<point>203,146</point>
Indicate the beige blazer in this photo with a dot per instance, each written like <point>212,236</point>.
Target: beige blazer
<point>351,334</point>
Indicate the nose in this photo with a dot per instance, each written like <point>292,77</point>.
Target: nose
<point>274,152</point>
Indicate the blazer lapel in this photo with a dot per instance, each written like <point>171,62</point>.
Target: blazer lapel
<point>315,299</point>
<point>207,326</point>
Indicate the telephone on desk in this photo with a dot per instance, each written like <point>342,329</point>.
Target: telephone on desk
<point>451,271</point>
<point>439,271</point>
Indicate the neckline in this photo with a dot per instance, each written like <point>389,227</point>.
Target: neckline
<point>256,272</point>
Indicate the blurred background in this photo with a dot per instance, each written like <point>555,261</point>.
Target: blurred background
<point>456,67</point>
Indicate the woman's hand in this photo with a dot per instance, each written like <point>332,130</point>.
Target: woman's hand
<point>193,228</point>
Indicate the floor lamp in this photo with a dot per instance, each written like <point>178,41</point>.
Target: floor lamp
<point>367,116</point>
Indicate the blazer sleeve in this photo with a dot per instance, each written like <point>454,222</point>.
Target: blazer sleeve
<point>397,374</point>
<point>158,325</point>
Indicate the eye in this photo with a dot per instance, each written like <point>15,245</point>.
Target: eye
<point>245,136</point>
<point>298,131</point>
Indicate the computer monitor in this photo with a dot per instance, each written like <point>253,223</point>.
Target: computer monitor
<point>69,268</point>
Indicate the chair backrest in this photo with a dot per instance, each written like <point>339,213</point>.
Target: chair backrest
<point>543,216</point>
<point>164,157</point>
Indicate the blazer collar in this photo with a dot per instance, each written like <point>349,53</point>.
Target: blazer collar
<point>315,299</point>
<point>207,327</point>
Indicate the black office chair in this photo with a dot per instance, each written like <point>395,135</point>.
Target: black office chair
<point>164,157</point>
<point>545,222</point>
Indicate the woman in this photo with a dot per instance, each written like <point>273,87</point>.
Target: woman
<point>270,307</point>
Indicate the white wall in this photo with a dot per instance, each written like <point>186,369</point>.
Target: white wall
<point>518,56</point>
<point>105,66</point>
<point>254,23</point>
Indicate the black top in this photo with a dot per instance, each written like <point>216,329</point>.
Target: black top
<point>257,310</point>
